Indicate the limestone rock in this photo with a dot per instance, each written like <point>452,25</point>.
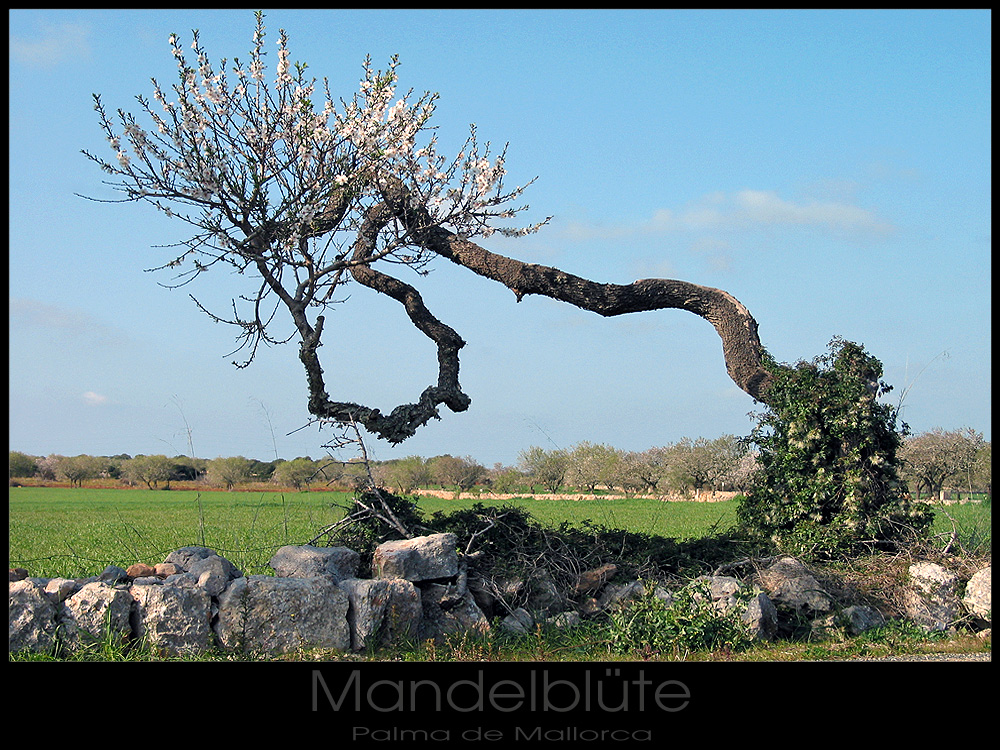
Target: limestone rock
<point>858,618</point>
<point>545,597</point>
<point>172,619</point>
<point>722,590</point>
<point>368,601</point>
<point>568,619</point>
<point>762,617</point>
<point>306,561</point>
<point>930,599</point>
<point>113,574</point>
<point>592,580</point>
<point>426,558</point>
<point>447,613</point>
<point>281,615</point>
<point>95,611</point>
<point>790,585</point>
<point>977,595</point>
<point>60,589</point>
<point>852,621</point>
<point>726,593</point>
<point>403,613</point>
<point>382,612</point>
<point>185,557</point>
<point>31,617</point>
<point>620,595</point>
<point>518,622</point>
<point>212,573</point>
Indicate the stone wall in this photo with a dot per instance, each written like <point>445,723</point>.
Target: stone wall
<point>418,589</point>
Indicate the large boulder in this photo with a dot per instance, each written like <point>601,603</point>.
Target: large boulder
<point>448,612</point>
<point>403,613</point>
<point>425,558</point>
<point>96,611</point>
<point>930,599</point>
<point>31,616</point>
<point>977,597</point>
<point>174,618</point>
<point>306,561</point>
<point>368,598</point>
<point>281,615</point>
<point>383,612</point>
<point>792,587</point>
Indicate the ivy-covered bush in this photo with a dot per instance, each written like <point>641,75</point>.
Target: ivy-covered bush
<point>828,479</point>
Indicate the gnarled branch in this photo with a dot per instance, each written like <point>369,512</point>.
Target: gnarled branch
<point>405,419</point>
<point>735,325</point>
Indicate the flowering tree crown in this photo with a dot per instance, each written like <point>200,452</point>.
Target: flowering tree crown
<point>280,179</point>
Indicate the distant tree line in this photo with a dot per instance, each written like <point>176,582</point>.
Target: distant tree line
<point>933,463</point>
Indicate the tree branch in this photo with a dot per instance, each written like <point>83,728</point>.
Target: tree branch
<point>405,419</point>
<point>735,325</point>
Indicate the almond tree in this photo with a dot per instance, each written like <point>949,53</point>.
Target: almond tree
<point>150,470</point>
<point>932,458</point>
<point>76,469</point>
<point>704,463</point>
<point>228,471</point>
<point>302,193</point>
<point>548,468</point>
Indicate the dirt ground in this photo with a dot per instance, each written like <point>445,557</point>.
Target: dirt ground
<point>705,497</point>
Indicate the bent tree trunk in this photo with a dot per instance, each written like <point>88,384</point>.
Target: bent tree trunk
<point>735,325</point>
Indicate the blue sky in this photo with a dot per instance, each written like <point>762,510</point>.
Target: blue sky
<point>830,169</point>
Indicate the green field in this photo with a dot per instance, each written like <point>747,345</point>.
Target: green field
<point>78,532</point>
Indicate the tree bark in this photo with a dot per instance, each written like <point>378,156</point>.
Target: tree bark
<point>732,321</point>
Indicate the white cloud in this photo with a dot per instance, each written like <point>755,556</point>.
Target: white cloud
<point>766,208</point>
<point>748,210</point>
<point>31,316</point>
<point>54,45</point>
<point>94,399</point>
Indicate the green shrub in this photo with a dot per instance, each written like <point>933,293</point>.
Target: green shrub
<point>828,479</point>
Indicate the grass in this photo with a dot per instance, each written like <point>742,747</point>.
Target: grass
<point>62,532</point>
<point>78,532</point>
<point>677,520</point>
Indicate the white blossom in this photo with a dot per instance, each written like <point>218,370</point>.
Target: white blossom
<point>270,151</point>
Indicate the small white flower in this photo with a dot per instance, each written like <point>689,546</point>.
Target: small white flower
<point>340,179</point>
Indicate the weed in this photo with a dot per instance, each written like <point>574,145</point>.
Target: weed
<point>690,622</point>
